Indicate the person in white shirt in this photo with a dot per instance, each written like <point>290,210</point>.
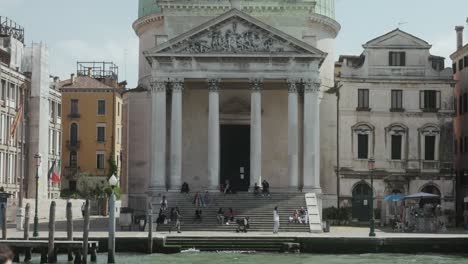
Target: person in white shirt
<point>276,220</point>
<point>163,203</point>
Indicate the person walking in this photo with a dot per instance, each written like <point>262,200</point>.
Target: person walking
<point>177,219</point>
<point>276,220</point>
<point>83,206</point>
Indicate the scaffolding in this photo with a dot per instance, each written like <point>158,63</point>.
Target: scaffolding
<point>98,70</point>
<point>9,28</point>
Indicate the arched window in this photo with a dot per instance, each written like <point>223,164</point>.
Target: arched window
<point>432,189</point>
<point>73,134</point>
<point>363,138</point>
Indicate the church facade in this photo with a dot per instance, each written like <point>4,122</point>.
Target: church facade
<point>232,90</point>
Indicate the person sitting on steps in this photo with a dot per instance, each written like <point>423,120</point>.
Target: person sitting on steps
<point>198,216</point>
<point>256,190</point>
<point>185,188</point>
<point>265,188</point>
<point>229,216</point>
<point>227,187</point>
<point>163,203</point>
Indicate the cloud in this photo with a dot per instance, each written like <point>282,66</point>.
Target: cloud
<point>64,55</point>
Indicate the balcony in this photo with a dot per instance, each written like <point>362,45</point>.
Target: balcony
<point>71,172</point>
<point>430,165</point>
<point>74,115</point>
<point>73,145</point>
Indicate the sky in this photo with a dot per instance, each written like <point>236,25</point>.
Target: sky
<point>101,30</point>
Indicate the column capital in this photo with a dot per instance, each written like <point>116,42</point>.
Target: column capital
<point>158,85</point>
<point>292,85</point>
<point>256,84</point>
<point>213,85</point>
<point>177,85</point>
<point>311,85</point>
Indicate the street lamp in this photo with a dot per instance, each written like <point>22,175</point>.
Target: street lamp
<point>37,158</point>
<point>111,243</point>
<point>371,167</point>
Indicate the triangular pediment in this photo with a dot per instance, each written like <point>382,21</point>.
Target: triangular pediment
<point>235,33</point>
<point>397,39</point>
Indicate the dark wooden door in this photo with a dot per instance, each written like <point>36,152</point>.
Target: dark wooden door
<point>361,202</point>
<point>235,156</point>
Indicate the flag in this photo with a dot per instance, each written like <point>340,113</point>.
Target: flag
<point>16,121</point>
<point>54,172</point>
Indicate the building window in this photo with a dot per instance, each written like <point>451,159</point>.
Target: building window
<point>74,134</point>
<point>396,147</point>
<point>100,161</point>
<point>465,102</point>
<point>363,146</point>
<point>397,100</point>
<point>59,110</point>
<point>73,159</point>
<point>460,105</point>
<point>101,133</point>
<point>74,106</point>
<point>429,100</point>
<point>454,68</point>
<point>429,147</point>
<point>118,109</point>
<point>3,90</point>
<point>397,58</point>
<point>101,107</point>
<point>460,65</point>
<point>363,99</point>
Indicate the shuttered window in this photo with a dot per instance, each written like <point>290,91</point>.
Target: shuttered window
<point>429,100</point>
<point>429,147</point>
<point>397,100</point>
<point>397,58</point>
<point>363,146</point>
<point>396,147</point>
<point>363,98</point>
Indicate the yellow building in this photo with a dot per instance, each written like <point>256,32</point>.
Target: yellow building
<point>92,126</point>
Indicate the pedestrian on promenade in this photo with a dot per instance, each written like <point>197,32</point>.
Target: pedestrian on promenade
<point>276,220</point>
<point>163,203</point>
<point>6,255</point>
<point>177,220</point>
<point>83,206</point>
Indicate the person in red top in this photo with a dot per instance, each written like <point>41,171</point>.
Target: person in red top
<point>229,215</point>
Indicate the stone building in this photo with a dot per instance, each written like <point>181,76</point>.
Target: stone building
<point>55,132</point>
<point>92,124</point>
<point>233,90</point>
<point>460,72</point>
<point>396,107</point>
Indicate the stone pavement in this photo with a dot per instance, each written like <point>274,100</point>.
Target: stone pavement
<point>99,228</point>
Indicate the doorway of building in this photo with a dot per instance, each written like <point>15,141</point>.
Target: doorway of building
<point>235,156</point>
<point>361,202</point>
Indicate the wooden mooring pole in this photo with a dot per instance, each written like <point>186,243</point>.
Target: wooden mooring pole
<point>69,228</point>
<point>86,233</point>
<point>4,224</point>
<point>150,231</point>
<point>27,219</point>
<point>51,255</point>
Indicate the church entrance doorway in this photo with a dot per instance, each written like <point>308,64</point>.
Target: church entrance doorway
<point>235,156</point>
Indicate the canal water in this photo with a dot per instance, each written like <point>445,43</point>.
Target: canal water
<point>259,258</point>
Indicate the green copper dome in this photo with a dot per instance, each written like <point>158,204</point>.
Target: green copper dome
<point>323,7</point>
<point>147,7</point>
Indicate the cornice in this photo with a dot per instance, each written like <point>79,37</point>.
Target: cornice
<point>145,21</point>
<point>332,25</point>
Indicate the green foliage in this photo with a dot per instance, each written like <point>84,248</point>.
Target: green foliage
<point>108,191</point>
<point>67,194</point>
<point>377,213</point>
<point>112,165</point>
<point>340,214</point>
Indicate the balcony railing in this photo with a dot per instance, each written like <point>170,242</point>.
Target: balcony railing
<point>74,115</point>
<point>71,172</point>
<point>430,165</point>
<point>73,145</point>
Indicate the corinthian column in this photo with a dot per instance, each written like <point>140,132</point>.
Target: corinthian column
<point>293,136</point>
<point>213,134</point>
<point>256,132</point>
<point>176,135</point>
<point>311,136</point>
<point>158,139</point>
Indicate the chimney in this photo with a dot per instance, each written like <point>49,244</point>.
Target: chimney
<point>459,30</point>
<point>72,78</point>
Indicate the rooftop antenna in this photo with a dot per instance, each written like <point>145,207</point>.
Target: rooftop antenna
<point>401,24</point>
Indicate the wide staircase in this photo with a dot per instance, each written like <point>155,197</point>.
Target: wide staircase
<point>258,208</point>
